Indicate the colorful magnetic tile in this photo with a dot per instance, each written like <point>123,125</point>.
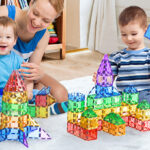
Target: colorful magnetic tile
<point>99,113</point>
<point>130,98</point>
<point>124,110</point>
<point>105,112</point>
<point>15,97</point>
<point>14,109</point>
<point>32,110</point>
<point>74,117</point>
<point>98,103</point>
<point>126,119</point>
<point>116,130</point>
<point>50,100</point>
<point>88,134</point>
<point>143,114</point>
<point>99,125</point>
<point>41,100</point>
<point>132,110</point>
<point>15,83</point>
<point>74,106</point>
<point>115,110</point>
<point>89,123</point>
<point>70,127</point>
<point>147,33</point>
<point>42,112</point>
<point>116,101</point>
<point>142,125</point>
<point>90,101</point>
<point>104,73</point>
<point>132,122</point>
<point>89,119</point>
<point>107,102</point>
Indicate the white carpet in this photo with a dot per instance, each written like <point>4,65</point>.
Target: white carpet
<point>82,85</point>
<point>61,140</point>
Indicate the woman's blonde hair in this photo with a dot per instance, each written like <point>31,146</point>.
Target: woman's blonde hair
<point>57,4</point>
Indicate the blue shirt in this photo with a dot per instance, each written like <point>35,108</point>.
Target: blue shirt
<point>131,68</point>
<point>8,63</point>
<point>25,49</point>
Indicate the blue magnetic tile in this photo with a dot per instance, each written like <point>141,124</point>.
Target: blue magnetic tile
<point>147,33</point>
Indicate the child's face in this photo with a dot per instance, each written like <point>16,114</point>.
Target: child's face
<point>7,39</point>
<point>133,35</point>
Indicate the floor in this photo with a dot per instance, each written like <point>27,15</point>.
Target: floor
<point>77,64</point>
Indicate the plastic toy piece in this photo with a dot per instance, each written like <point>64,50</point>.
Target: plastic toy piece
<point>142,120</point>
<point>130,95</point>
<point>41,107</point>
<point>53,36</point>
<point>114,124</point>
<point>104,73</point>
<point>15,122</point>
<point>147,33</point>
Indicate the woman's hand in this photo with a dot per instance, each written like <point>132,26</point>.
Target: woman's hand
<point>33,71</point>
<point>94,77</point>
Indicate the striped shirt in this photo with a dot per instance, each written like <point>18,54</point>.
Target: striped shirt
<point>131,68</point>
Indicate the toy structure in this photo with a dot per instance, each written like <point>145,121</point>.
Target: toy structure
<point>15,122</point>
<point>40,105</point>
<point>106,109</point>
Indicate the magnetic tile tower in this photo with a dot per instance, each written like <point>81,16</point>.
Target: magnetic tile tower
<point>106,98</point>
<point>112,112</point>
<point>82,123</point>
<point>15,122</point>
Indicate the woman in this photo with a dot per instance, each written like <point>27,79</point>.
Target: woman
<point>33,39</point>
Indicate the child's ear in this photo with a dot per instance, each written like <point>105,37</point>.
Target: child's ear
<point>15,40</point>
<point>145,28</point>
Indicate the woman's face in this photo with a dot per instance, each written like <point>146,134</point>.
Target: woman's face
<point>40,14</point>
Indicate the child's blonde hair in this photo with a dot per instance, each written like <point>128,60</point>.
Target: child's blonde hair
<point>57,4</point>
<point>133,13</point>
<point>6,21</point>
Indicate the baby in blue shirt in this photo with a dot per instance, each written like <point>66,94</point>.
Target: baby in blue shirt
<point>9,60</point>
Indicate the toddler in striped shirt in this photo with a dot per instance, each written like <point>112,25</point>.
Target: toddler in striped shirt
<point>131,65</point>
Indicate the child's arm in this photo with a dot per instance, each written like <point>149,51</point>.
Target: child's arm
<point>94,77</point>
<point>29,85</point>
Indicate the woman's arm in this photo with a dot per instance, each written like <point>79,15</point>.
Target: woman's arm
<point>35,72</point>
<point>40,49</point>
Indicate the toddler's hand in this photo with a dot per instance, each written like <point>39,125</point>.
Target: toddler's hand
<point>30,95</point>
<point>94,77</point>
